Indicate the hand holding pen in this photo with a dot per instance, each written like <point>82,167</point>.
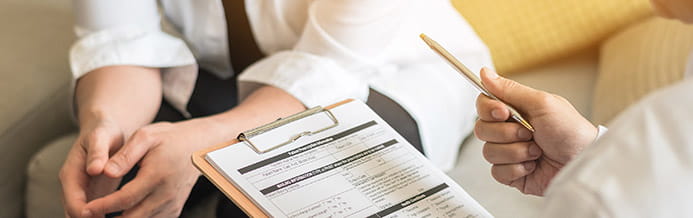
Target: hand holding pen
<point>528,153</point>
<point>521,159</point>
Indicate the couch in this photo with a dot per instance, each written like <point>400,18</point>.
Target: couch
<point>35,77</point>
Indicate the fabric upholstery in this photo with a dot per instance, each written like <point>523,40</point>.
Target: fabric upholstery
<point>33,61</point>
<point>34,77</point>
<point>572,78</point>
<point>43,192</point>
<point>526,33</point>
<point>637,61</point>
<point>45,122</point>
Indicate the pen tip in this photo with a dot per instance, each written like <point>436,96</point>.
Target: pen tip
<point>423,36</point>
<point>526,124</point>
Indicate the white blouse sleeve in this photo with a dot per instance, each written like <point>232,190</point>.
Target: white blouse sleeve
<point>337,51</point>
<point>123,32</point>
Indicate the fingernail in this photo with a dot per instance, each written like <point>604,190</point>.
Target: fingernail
<point>113,168</point>
<point>534,150</point>
<point>496,114</point>
<point>524,134</point>
<point>491,73</point>
<point>529,166</point>
<point>86,213</point>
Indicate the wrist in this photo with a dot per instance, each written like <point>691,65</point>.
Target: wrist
<point>91,118</point>
<point>588,135</point>
<point>217,128</point>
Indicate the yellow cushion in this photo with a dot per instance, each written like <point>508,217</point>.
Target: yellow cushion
<point>525,33</point>
<point>635,62</point>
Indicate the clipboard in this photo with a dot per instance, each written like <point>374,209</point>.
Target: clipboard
<point>229,189</point>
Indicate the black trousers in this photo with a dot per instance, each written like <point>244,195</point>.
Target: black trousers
<point>213,95</point>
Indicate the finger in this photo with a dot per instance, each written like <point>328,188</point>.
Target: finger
<point>519,184</point>
<point>152,206</point>
<point>519,96</point>
<point>506,173</point>
<point>511,153</point>
<point>501,132</point>
<point>127,197</point>
<point>166,201</point>
<point>98,145</point>
<point>130,153</point>
<point>74,181</point>
<point>491,110</point>
<point>101,185</point>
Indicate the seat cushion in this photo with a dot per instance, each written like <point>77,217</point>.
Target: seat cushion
<point>637,61</point>
<point>526,33</point>
<point>43,191</point>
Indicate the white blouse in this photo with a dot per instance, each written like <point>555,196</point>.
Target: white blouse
<point>319,51</point>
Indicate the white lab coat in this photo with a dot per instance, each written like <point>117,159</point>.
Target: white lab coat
<point>641,167</point>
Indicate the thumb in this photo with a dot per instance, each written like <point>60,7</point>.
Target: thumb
<point>513,93</point>
<point>131,153</point>
<point>98,144</point>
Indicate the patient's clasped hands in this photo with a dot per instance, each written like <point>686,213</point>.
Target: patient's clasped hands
<point>522,159</point>
<point>103,154</point>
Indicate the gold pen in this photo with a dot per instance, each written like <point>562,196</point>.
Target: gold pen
<point>472,78</point>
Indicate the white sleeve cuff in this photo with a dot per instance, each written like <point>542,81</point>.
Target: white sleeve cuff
<point>312,79</point>
<point>601,130</point>
<point>128,46</point>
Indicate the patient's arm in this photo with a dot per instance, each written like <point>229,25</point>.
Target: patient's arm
<point>112,102</point>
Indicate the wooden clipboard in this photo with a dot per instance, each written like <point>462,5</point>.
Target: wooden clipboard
<point>228,188</point>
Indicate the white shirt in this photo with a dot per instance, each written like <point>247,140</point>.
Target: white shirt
<point>319,51</point>
<point>642,167</point>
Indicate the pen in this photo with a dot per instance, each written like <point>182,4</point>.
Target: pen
<point>472,78</point>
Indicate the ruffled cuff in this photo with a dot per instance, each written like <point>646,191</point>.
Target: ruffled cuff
<point>128,46</point>
<point>136,47</point>
<point>312,79</point>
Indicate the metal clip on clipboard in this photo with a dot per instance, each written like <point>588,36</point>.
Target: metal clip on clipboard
<point>247,135</point>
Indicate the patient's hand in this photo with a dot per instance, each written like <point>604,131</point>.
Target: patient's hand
<point>82,176</point>
<point>522,159</point>
<point>165,176</point>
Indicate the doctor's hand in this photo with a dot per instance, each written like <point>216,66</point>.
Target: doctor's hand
<point>522,159</point>
<point>81,175</point>
<point>166,174</point>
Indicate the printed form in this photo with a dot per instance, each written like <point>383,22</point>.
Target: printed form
<point>361,168</point>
